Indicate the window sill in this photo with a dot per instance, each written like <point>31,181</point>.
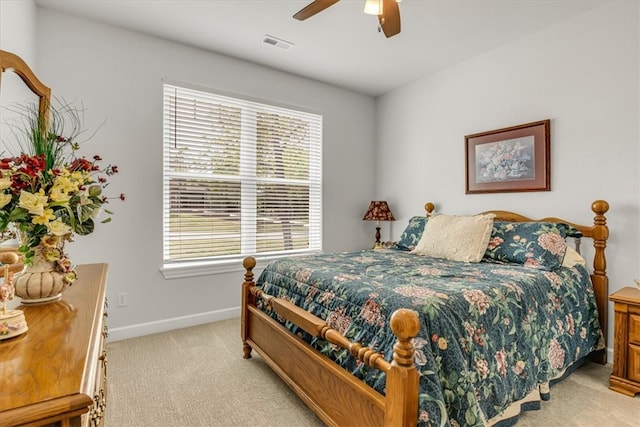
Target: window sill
<point>193,269</point>
<point>179,271</point>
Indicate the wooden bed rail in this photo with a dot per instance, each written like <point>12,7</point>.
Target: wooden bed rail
<point>401,397</point>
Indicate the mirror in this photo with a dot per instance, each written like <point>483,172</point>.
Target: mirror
<point>18,86</point>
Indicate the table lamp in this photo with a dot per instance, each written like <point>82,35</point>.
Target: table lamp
<point>378,211</point>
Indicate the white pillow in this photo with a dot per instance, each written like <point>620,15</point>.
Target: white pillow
<point>457,238</point>
<point>572,257</point>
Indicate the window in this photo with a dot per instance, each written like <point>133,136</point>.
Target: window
<point>240,178</point>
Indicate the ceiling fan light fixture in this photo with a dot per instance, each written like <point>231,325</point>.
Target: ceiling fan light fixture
<point>387,11</point>
<point>373,7</point>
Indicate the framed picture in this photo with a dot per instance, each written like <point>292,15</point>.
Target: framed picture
<point>508,160</point>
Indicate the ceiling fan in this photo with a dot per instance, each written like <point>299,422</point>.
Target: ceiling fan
<point>387,11</point>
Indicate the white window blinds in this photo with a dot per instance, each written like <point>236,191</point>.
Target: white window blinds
<point>240,178</point>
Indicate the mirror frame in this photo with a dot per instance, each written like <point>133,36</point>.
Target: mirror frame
<point>11,61</point>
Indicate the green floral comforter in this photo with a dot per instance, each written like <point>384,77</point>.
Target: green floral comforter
<point>490,333</point>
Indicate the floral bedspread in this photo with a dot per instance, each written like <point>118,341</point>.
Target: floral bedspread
<point>490,333</point>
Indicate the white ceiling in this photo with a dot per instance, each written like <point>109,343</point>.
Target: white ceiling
<point>340,45</point>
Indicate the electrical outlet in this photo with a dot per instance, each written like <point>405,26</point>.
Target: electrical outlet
<point>122,299</point>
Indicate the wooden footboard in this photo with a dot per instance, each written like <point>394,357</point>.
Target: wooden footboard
<point>336,396</point>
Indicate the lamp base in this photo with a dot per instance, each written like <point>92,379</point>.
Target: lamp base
<point>378,245</point>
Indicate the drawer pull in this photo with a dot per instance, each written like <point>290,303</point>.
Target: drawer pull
<point>98,409</point>
<point>103,358</point>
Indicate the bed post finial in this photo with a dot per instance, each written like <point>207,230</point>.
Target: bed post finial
<point>248,263</point>
<point>600,207</point>
<point>402,379</point>
<point>405,326</point>
<point>429,207</point>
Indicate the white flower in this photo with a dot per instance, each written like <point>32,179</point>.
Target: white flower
<point>58,228</point>
<point>5,182</point>
<point>34,203</point>
<point>4,199</point>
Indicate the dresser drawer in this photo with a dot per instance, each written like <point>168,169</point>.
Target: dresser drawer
<point>634,328</point>
<point>633,363</point>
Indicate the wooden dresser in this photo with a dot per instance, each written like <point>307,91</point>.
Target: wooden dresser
<point>55,373</point>
<point>626,342</point>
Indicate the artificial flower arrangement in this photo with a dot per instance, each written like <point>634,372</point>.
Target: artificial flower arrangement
<point>47,192</point>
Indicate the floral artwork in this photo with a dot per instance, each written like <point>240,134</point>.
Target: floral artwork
<point>507,160</point>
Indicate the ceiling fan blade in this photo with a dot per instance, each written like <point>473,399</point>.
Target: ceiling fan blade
<point>313,8</point>
<point>390,18</point>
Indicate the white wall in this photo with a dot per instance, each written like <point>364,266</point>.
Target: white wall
<point>118,76</point>
<point>17,35</point>
<point>18,29</point>
<point>583,75</point>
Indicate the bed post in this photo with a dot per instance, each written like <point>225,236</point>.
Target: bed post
<point>401,393</point>
<point>599,276</point>
<point>247,298</point>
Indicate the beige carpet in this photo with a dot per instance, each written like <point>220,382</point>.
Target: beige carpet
<point>196,377</point>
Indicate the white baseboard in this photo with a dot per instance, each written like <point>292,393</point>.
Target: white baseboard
<point>132,331</point>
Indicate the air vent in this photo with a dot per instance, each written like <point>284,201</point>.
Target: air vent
<point>274,41</point>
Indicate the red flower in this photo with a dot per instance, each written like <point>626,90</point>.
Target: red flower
<point>81,165</point>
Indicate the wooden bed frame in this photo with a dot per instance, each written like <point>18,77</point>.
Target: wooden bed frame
<point>339,398</point>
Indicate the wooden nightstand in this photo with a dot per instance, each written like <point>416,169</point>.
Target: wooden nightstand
<point>626,342</point>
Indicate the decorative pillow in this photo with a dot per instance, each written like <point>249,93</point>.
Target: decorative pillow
<point>568,230</point>
<point>540,245</point>
<point>458,238</point>
<point>412,234</point>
